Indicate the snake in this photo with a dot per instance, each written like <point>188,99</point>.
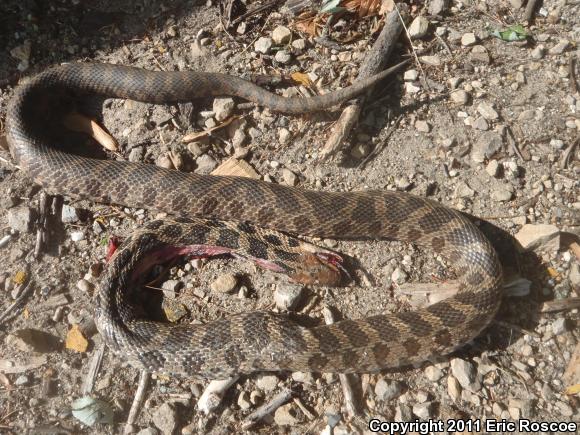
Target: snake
<point>248,218</point>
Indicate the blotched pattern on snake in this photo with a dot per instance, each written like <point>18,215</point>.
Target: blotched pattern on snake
<point>240,215</point>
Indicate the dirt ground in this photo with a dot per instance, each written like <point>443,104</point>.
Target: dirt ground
<point>480,124</point>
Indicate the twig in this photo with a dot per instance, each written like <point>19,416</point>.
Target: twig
<point>513,144</point>
<point>42,231</point>
<point>213,394</point>
<point>346,381</point>
<point>507,325</point>
<point>572,74</point>
<point>8,314</point>
<point>375,61</point>
<point>529,12</point>
<point>266,409</point>
<point>560,304</point>
<point>144,377</point>
<point>309,415</point>
<point>94,367</point>
<point>568,153</point>
<point>255,11</point>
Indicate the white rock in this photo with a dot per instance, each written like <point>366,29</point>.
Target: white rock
<point>21,219</point>
<point>557,144</point>
<point>419,27</point>
<point>430,60</point>
<point>263,45</point>
<point>437,7</point>
<point>69,214</point>
<point>463,371</point>
<point>433,373</point>
<point>223,108</point>
<point>288,296</point>
<point>224,283</point>
<point>77,236</point>
<point>423,410</point>
<point>538,52</point>
<point>286,415</point>
<point>244,400</point>
<point>267,383</point>
<point>284,136</point>
<point>85,286</point>
<point>290,178</point>
<point>205,164</point>
<point>486,146</point>
<point>303,378</point>
<point>411,75</point>
<point>281,35</point>
<point>492,168</point>
<point>539,236</point>
<point>463,190</point>
<point>480,124</point>
<point>399,276</point>
<point>299,44</point>
<point>468,39</point>
<point>422,126</point>
<point>412,87</point>
<point>148,431</point>
<point>386,390</point>
<point>165,418</point>
<point>453,388</point>
<point>560,47</point>
<point>502,194</point>
<point>559,326</point>
<point>283,57</point>
<point>459,97</point>
<point>574,275</point>
<point>487,111</point>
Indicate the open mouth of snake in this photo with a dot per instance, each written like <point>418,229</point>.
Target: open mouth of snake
<point>309,274</point>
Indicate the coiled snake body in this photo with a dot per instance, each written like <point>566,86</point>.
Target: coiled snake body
<point>251,209</point>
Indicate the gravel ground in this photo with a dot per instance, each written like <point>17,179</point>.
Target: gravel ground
<point>480,124</point>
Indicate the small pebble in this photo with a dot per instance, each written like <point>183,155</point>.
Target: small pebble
<point>224,283</point>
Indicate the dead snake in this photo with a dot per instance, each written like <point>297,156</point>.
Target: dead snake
<point>250,341</point>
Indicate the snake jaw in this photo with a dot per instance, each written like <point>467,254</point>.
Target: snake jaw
<point>318,269</point>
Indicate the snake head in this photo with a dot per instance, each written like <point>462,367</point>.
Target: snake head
<point>318,266</point>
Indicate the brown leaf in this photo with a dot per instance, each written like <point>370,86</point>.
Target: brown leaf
<point>301,78</point>
<point>192,137</point>
<point>75,340</point>
<point>80,123</point>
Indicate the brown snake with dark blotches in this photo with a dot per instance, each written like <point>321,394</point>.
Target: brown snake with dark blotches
<point>256,340</point>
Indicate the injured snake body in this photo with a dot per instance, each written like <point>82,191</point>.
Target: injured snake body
<point>242,216</point>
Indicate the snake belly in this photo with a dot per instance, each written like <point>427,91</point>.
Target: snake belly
<point>251,341</point>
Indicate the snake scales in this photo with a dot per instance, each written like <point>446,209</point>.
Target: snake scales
<point>252,209</point>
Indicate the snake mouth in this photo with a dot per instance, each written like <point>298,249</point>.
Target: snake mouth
<point>314,265</point>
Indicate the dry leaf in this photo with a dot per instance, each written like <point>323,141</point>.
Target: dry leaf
<point>574,389</point>
<point>75,340</point>
<point>82,124</point>
<point>363,8</point>
<point>11,367</point>
<point>301,78</point>
<point>575,247</point>
<point>309,23</point>
<point>192,137</point>
<point>235,167</point>
<point>19,277</point>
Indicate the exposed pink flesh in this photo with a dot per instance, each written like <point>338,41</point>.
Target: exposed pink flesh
<point>167,253</point>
